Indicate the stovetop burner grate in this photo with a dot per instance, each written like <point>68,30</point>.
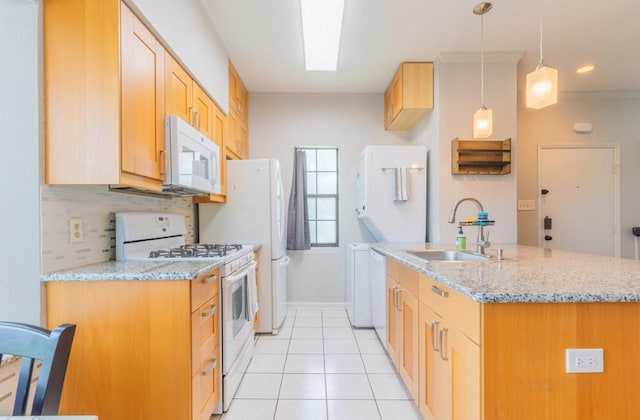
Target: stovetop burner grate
<point>196,251</point>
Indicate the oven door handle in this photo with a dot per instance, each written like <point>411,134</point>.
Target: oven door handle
<point>240,273</point>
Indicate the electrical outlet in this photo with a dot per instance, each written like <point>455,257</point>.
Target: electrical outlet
<point>526,205</point>
<point>75,230</point>
<point>585,360</point>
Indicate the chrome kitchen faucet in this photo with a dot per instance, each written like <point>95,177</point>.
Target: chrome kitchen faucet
<point>481,242</point>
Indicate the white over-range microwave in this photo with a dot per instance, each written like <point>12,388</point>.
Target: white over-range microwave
<point>193,160</point>
<point>192,163</point>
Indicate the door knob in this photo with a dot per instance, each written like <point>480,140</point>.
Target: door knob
<point>548,237</point>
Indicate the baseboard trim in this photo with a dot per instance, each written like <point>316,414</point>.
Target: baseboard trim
<point>316,305</point>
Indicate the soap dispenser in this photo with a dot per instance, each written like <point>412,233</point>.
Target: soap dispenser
<point>461,240</point>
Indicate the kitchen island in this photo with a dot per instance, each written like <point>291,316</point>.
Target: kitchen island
<point>147,342</point>
<point>488,339</point>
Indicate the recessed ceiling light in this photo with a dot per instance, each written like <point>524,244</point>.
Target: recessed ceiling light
<point>585,69</point>
<point>321,27</point>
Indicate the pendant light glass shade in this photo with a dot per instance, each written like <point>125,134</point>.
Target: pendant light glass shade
<point>542,84</point>
<point>483,117</point>
<point>482,123</point>
<point>542,87</point>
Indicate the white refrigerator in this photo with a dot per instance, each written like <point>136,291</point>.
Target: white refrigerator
<point>255,214</point>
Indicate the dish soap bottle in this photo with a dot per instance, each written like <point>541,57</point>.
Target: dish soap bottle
<point>461,240</point>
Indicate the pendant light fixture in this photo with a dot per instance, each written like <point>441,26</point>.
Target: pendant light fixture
<point>483,117</point>
<point>542,84</point>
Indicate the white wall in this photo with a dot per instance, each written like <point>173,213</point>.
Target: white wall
<point>278,123</point>
<point>615,119</point>
<point>19,163</point>
<point>457,97</point>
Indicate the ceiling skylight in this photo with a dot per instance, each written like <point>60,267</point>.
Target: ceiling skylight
<point>321,26</point>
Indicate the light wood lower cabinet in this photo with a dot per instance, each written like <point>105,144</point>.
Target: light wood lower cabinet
<point>142,349</point>
<point>504,361</point>
<point>402,324</point>
<point>449,370</point>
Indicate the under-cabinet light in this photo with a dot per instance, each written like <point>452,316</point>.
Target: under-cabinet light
<point>321,27</point>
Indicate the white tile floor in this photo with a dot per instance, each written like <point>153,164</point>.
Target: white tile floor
<point>318,367</point>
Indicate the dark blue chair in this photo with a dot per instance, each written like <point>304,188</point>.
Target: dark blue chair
<point>52,348</point>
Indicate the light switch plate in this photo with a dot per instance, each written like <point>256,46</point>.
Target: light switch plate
<point>526,205</point>
<point>75,230</point>
<point>585,360</point>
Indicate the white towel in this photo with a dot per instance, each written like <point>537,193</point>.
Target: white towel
<point>397,185</point>
<point>400,185</point>
<point>403,183</point>
<point>252,293</point>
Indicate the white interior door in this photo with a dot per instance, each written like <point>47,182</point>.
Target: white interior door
<point>579,189</point>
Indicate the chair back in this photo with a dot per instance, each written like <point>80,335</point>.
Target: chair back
<point>52,348</point>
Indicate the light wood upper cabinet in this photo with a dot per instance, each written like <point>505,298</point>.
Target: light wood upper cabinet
<point>142,98</point>
<point>204,111</point>
<point>237,144</point>
<point>238,96</point>
<point>178,90</point>
<point>186,99</point>
<point>409,96</point>
<point>104,96</point>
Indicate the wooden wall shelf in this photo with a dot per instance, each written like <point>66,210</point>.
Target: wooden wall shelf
<point>480,157</point>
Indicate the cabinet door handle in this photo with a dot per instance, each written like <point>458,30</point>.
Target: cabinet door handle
<point>192,116</point>
<point>442,335</point>
<point>210,279</point>
<point>210,311</point>
<point>162,157</point>
<point>210,368</point>
<point>399,296</point>
<point>434,325</point>
<point>439,292</point>
<point>394,297</point>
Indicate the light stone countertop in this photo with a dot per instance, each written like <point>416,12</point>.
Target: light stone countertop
<point>134,270</point>
<point>529,274</point>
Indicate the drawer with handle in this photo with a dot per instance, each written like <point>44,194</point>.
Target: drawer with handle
<point>204,288</point>
<point>458,310</point>
<point>205,326</point>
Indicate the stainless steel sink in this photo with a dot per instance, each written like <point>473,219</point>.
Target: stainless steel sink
<point>447,255</point>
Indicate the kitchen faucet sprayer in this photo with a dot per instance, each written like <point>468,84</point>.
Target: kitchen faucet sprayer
<point>481,243</point>
<point>454,209</point>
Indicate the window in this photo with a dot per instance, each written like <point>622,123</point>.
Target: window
<point>322,195</point>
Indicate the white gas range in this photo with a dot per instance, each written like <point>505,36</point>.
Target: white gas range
<point>161,236</point>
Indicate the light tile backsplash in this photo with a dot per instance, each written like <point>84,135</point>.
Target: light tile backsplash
<point>96,206</point>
